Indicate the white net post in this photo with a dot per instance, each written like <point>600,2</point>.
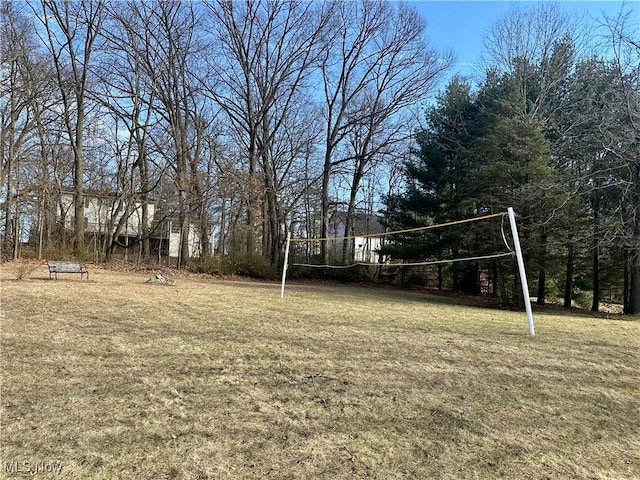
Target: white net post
<point>523,273</point>
<point>285,265</point>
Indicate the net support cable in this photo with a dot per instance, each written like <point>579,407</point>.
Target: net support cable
<point>509,252</point>
<point>395,232</point>
<point>406,264</point>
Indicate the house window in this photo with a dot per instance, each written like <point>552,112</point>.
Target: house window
<point>86,202</point>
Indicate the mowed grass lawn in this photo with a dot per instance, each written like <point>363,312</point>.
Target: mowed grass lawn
<point>116,378</point>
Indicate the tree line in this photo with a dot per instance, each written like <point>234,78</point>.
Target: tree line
<point>552,131</point>
<point>248,116</point>
<point>253,119</point>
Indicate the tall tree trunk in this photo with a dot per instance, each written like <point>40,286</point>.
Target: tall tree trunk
<point>7,206</point>
<point>356,180</point>
<point>7,169</point>
<point>144,229</point>
<point>251,203</point>
<point>205,241</point>
<point>182,146</point>
<point>184,231</point>
<point>595,305</point>
<point>634,287</point>
<point>326,176</point>
<point>568,283</point>
<point>144,188</point>
<point>495,280</point>
<point>16,223</point>
<point>542,274</point>
<point>456,278</point>
<point>634,258</point>
<point>272,233</point>
<point>222,235</point>
<point>78,178</point>
<point>78,174</point>
<point>626,283</point>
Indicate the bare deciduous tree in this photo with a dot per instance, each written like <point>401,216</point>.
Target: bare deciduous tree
<point>541,36</point>
<point>168,46</point>
<point>127,92</point>
<point>377,63</point>
<point>16,123</point>
<point>71,29</point>
<point>267,49</point>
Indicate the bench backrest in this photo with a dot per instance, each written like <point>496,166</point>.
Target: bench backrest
<point>65,267</point>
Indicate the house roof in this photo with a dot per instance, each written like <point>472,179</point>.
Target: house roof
<point>363,224</point>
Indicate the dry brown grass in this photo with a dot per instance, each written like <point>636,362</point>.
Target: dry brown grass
<point>117,378</point>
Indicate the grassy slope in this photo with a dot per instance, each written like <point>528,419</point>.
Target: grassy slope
<point>117,378</point>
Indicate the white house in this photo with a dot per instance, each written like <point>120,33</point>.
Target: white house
<point>366,242</point>
<point>103,211</point>
<point>194,239</point>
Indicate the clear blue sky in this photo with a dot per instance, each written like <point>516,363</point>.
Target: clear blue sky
<point>461,25</point>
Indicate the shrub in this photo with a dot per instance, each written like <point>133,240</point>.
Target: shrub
<point>356,274</point>
<point>6,248</point>
<point>583,298</point>
<point>253,267</point>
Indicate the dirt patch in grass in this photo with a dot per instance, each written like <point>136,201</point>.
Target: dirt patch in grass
<point>118,378</point>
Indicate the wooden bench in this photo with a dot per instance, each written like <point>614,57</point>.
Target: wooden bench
<point>67,267</point>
